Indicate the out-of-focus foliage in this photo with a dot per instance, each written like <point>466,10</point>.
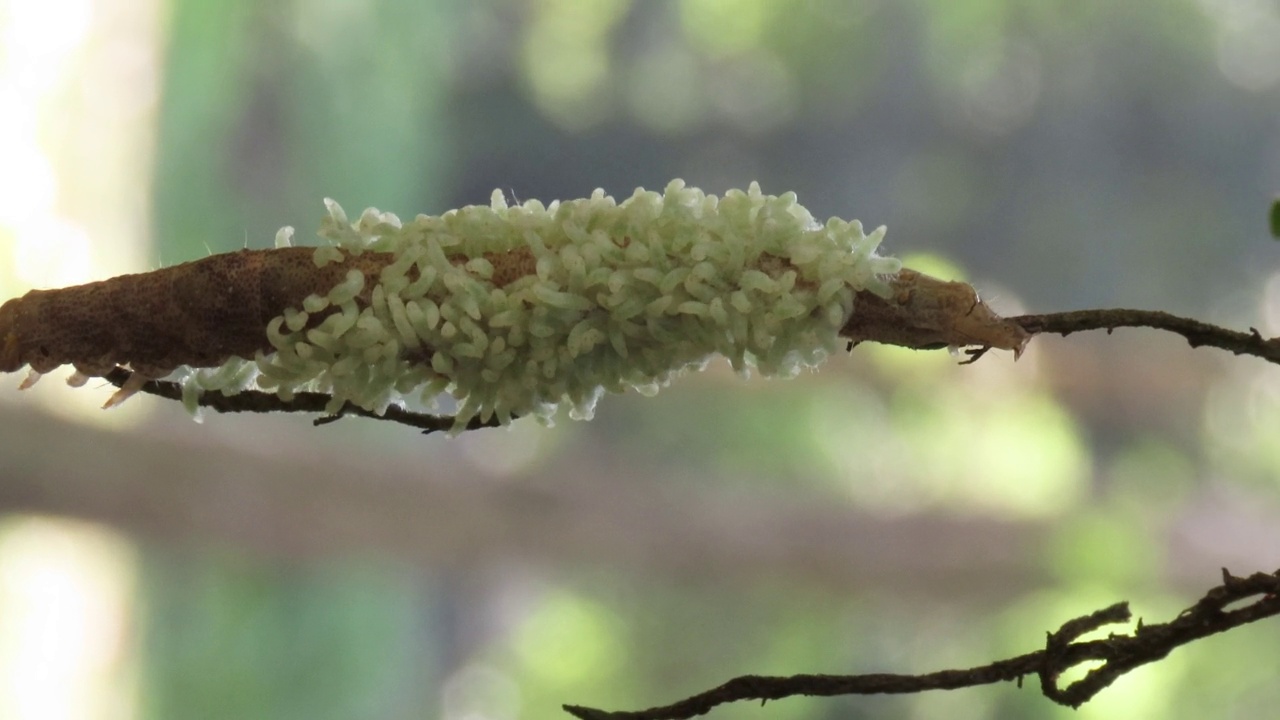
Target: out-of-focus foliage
<point>1080,153</point>
<point>1058,154</point>
<point>269,108</point>
<point>236,640</point>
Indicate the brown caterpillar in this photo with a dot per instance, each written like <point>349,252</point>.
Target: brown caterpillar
<point>203,312</point>
<point>197,314</point>
<point>511,310</point>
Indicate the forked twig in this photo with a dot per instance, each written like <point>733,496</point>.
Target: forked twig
<point>1063,650</point>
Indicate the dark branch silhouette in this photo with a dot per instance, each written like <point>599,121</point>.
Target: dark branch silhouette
<point>1063,650</point>
<point>1197,333</point>
<point>257,401</point>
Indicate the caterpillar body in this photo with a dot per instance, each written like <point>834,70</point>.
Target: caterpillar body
<point>512,310</point>
<point>197,314</point>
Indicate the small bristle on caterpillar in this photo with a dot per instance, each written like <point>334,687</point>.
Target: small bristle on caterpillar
<point>512,310</point>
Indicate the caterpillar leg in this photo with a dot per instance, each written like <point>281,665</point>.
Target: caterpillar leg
<point>126,391</point>
<point>33,377</point>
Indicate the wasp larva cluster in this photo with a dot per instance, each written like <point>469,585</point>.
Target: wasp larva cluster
<point>516,309</point>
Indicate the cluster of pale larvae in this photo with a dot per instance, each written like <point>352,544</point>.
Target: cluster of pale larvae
<point>512,310</point>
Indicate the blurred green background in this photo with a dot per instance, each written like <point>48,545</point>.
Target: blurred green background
<point>893,512</point>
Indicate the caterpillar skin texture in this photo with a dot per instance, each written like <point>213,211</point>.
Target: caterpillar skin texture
<point>197,314</point>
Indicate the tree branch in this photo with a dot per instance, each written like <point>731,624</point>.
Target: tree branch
<point>256,401</point>
<point>1197,333</point>
<point>1063,650</point>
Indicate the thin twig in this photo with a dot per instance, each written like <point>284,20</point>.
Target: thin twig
<point>1063,650</point>
<point>1197,333</point>
<point>256,401</point>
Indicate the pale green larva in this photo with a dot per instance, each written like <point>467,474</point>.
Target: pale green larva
<point>514,310</point>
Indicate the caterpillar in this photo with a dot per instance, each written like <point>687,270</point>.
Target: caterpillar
<point>197,314</point>
<point>513,310</point>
